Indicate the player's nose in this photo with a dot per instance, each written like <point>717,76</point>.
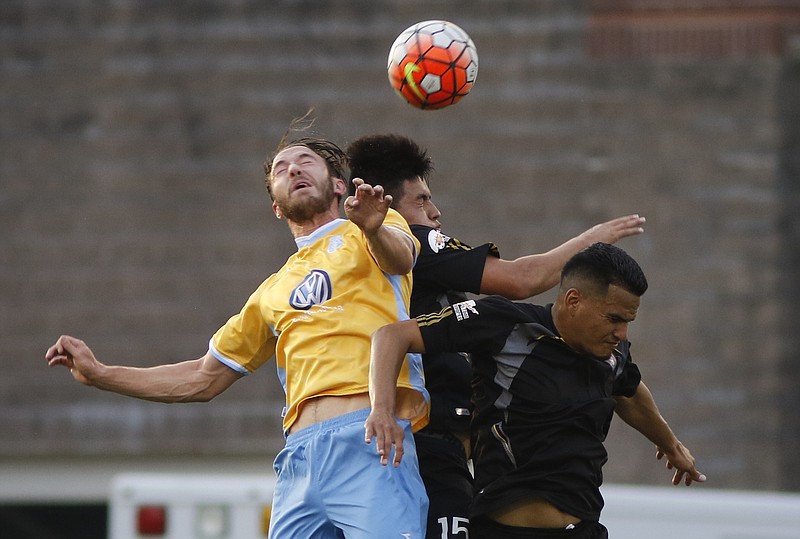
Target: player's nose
<point>433,212</point>
<point>294,169</point>
<point>621,332</point>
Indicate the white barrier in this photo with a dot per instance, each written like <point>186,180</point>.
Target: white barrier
<point>186,506</point>
<point>696,512</point>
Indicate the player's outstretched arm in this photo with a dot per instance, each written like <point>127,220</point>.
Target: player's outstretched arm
<point>530,275</point>
<point>640,412</point>
<point>197,380</point>
<point>389,347</point>
<point>392,250</point>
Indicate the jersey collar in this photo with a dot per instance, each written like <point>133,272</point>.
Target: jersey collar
<point>305,241</point>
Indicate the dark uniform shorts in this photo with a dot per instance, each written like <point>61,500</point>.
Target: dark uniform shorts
<point>484,528</point>
<point>448,482</point>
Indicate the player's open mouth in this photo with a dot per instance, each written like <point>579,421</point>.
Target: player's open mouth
<point>300,185</point>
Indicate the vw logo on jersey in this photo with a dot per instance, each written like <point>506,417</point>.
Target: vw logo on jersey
<point>437,240</point>
<point>314,289</point>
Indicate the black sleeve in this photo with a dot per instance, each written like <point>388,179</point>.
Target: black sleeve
<point>474,325</point>
<point>627,376</point>
<point>445,263</point>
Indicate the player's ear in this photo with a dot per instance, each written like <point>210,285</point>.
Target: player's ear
<point>277,211</point>
<point>572,299</point>
<point>339,187</point>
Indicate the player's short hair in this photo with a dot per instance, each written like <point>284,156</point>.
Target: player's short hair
<point>388,161</point>
<point>334,156</point>
<point>601,265</point>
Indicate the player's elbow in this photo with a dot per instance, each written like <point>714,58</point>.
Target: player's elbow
<point>540,282</point>
<point>403,336</point>
<point>204,387</point>
<point>196,395</point>
<point>399,265</point>
<point>520,289</point>
<point>517,279</point>
<point>205,395</point>
<point>405,266</point>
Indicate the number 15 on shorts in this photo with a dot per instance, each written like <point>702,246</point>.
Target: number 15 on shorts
<point>460,525</point>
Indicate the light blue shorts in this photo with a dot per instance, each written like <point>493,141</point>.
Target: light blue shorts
<point>331,485</point>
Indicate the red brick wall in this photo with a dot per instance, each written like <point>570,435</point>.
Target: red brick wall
<point>681,28</point>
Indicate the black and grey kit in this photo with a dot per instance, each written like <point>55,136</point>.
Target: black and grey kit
<point>541,410</point>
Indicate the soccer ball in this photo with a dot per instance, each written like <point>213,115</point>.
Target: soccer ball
<point>433,64</point>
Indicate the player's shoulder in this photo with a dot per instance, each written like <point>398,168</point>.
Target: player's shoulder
<point>434,241</point>
<point>520,311</point>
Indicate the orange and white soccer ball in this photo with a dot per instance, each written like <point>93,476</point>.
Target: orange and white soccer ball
<point>433,64</point>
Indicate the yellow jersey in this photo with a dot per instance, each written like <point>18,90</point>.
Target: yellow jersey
<point>316,315</point>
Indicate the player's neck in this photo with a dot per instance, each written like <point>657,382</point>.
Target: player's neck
<point>557,312</point>
<point>300,229</point>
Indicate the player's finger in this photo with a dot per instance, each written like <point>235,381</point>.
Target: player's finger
<point>57,360</point>
<point>676,479</point>
<point>631,221</point>
<point>58,349</point>
<point>398,452</point>
<point>365,188</point>
<point>697,476</point>
<point>52,352</point>
<point>70,345</point>
<point>382,447</point>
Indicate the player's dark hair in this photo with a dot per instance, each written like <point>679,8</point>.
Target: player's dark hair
<point>602,265</point>
<point>388,161</point>
<point>334,156</point>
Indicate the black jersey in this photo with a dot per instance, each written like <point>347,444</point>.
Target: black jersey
<point>445,269</point>
<point>542,410</point>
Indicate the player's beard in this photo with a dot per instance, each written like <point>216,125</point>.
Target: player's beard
<point>301,211</point>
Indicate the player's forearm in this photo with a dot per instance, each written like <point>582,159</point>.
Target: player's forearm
<point>384,369</point>
<point>541,272</point>
<point>523,277</point>
<point>392,250</point>
<point>179,382</point>
<point>549,264</point>
<point>529,275</point>
<point>390,344</point>
<point>641,413</point>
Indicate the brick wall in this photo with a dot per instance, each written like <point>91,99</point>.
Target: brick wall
<point>133,213</point>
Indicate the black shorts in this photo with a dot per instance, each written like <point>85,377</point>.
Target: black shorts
<point>484,528</point>
<point>448,482</point>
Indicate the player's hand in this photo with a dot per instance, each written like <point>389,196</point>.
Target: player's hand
<point>682,461</point>
<point>368,207</point>
<point>615,229</point>
<point>388,434</point>
<point>73,354</point>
